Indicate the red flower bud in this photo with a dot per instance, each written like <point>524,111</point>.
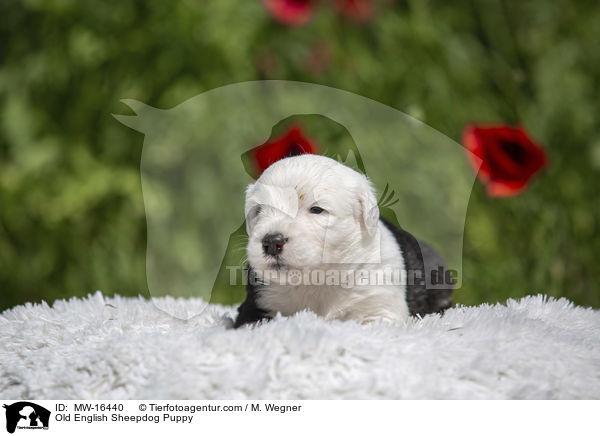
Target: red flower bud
<point>359,10</point>
<point>293,13</point>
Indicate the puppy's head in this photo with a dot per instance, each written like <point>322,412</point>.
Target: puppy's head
<point>307,211</point>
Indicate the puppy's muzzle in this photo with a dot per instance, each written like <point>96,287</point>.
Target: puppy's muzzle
<point>273,243</point>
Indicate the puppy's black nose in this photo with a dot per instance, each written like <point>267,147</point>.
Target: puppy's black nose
<point>273,243</point>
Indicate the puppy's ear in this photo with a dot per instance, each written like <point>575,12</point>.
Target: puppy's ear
<point>368,209</point>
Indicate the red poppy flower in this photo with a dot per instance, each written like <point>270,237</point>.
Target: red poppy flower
<point>292,143</point>
<point>291,12</point>
<point>509,157</point>
<point>359,10</point>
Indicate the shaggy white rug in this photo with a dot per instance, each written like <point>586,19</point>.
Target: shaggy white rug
<point>125,348</point>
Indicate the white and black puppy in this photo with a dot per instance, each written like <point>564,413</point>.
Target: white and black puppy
<point>316,242</point>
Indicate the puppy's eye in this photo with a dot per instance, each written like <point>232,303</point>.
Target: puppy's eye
<point>316,210</point>
<point>255,212</point>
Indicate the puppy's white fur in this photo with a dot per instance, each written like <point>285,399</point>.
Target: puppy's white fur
<point>348,235</point>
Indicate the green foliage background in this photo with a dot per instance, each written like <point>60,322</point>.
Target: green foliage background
<point>71,209</point>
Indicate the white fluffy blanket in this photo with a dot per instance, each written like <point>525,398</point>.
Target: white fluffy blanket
<point>119,348</point>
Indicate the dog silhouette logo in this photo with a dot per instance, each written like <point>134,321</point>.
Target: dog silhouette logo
<point>26,415</point>
<point>194,190</point>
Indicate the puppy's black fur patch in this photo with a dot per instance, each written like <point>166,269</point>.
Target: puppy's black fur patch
<point>420,259</point>
<point>249,312</point>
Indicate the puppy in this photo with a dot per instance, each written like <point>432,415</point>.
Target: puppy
<point>316,241</point>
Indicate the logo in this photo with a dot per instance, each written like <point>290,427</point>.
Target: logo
<point>26,415</point>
